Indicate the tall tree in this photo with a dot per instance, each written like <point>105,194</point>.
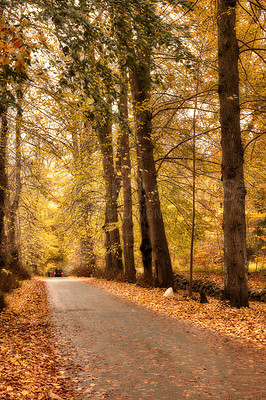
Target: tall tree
<point>3,175</point>
<point>140,74</point>
<point>13,242</point>
<point>82,205</point>
<point>118,13</point>
<point>193,222</point>
<point>114,262</point>
<point>139,62</point>
<point>140,85</point>
<point>7,48</point>
<point>234,225</point>
<point>125,167</point>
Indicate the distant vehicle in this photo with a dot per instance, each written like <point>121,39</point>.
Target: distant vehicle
<point>58,272</point>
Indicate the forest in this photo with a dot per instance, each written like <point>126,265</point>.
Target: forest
<point>133,139</point>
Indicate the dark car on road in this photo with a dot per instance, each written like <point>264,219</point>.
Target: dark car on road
<point>58,272</point>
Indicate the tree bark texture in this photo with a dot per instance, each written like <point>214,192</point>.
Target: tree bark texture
<point>13,242</point>
<point>236,287</point>
<point>145,246</point>
<point>125,166</point>
<point>103,127</point>
<point>193,222</point>
<point>140,85</point>
<point>87,254</point>
<point>3,185</point>
<point>3,157</point>
<point>86,241</point>
<point>114,261</point>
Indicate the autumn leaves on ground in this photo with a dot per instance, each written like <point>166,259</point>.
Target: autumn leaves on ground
<point>31,367</point>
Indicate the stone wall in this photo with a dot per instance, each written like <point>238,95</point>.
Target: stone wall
<point>213,289</point>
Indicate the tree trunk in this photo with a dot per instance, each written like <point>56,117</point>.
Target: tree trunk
<point>3,177</point>
<point>13,244</point>
<point>87,254</point>
<point>145,246</point>
<point>125,165</point>
<point>86,241</point>
<point>113,246</point>
<point>107,244</point>
<point>193,222</point>
<point>103,127</point>
<point>236,287</point>
<point>140,86</point>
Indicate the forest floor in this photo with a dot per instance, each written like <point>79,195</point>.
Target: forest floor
<point>31,367</point>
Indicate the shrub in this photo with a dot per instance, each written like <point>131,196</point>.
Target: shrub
<point>83,270</point>
<point>114,276</point>
<point>23,273</point>
<point>99,273</point>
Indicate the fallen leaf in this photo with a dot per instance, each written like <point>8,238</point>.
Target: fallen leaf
<point>54,396</point>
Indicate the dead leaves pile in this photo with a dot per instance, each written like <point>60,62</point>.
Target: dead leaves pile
<point>30,366</point>
<point>246,324</point>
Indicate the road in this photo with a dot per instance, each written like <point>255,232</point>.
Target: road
<point>124,351</point>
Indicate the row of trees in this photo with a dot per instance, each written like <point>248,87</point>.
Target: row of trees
<point>127,98</point>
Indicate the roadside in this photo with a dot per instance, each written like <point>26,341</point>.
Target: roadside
<point>30,367</point>
<point>245,325</point>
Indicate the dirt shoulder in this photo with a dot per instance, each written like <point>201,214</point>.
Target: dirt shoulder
<point>30,366</point>
<point>245,325</point>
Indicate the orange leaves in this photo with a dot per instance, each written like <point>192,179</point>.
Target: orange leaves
<point>29,365</point>
<point>6,31</point>
<point>17,42</point>
<point>13,48</point>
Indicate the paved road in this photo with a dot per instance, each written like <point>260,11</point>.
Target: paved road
<point>127,352</point>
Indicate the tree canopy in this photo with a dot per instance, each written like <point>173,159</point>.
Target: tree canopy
<point>112,115</point>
